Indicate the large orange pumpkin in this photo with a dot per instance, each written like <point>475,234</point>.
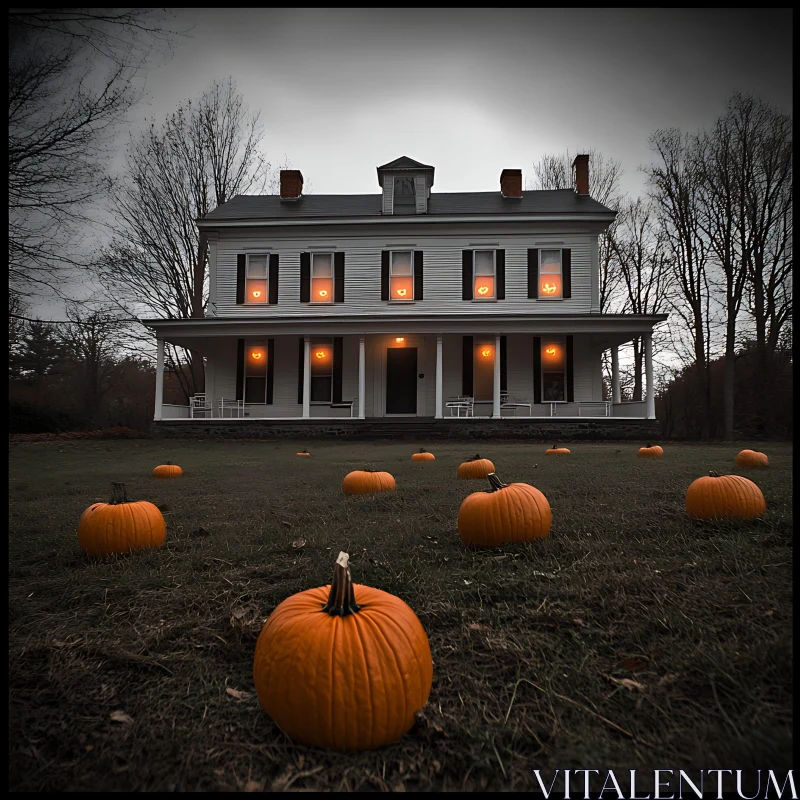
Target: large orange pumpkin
<point>724,496</point>
<point>515,512</point>
<point>555,450</point>
<point>474,468</point>
<point>423,455</point>
<point>305,454</point>
<point>168,470</point>
<point>751,458</point>
<point>343,666</point>
<point>120,525</point>
<point>367,482</point>
<point>651,451</point>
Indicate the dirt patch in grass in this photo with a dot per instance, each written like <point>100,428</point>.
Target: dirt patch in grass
<point>631,638</point>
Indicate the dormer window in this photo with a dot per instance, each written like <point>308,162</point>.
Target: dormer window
<point>406,186</point>
<point>401,276</point>
<point>405,196</point>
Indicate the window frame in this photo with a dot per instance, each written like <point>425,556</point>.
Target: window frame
<point>332,279</point>
<point>475,297</point>
<point>396,178</point>
<point>412,276</point>
<point>313,346</point>
<point>560,273</point>
<point>248,345</point>
<point>560,341</point>
<point>248,278</point>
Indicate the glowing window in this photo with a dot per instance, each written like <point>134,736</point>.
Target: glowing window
<point>550,284</point>
<point>255,288</point>
<point>484,275</point>
<point>255,373</point>
<point>322,277</point>
<point>322,371</point>
<point>554,359</point>
<point>401,275</point>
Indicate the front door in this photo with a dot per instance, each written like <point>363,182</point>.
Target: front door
<point>401,380</point>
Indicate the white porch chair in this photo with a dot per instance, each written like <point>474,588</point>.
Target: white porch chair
<point>199,406</point>
<point>230,405</point>
<point>345,404</point>
<point>461,402</point>
<point>506,401</point>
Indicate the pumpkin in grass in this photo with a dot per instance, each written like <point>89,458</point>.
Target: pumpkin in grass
<point>651,451</point>
<point>555,450</point>
<point>343,666</point>
<point>168,470</point>
<point>475,468</point>
<point>120,525</point>
<point>515,512</point>
<point>724,497</point>
<point>751,458</point>
<point>423,455</point>
<point>367,482</point>
<point>304,454</point>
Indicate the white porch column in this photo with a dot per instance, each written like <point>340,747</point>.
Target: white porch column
<point>648,366</point>
<point>439,376</point>
<point>362,375</point>
<point>616,397</point>
<point>159,378</point>
<point>496,394</point>
<point>306,376</point>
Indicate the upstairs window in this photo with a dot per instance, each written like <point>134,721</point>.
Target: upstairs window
<point>322,371</point>
<point>405,196</point>
<point>255,290</point>
<point>401,275</point>
<point>484,288</point>
<point>322,278</point>
<point>550,277</point>
<point>554,369</point>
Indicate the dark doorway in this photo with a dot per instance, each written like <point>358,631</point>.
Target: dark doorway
<point>401,380</point>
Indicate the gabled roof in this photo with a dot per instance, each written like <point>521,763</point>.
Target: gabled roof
<point>442,204</point>
<point>404,162</point>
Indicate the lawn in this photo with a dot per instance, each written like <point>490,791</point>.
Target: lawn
<point>631,638</point>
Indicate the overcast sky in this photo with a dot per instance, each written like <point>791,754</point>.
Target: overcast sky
<point>471,92</point>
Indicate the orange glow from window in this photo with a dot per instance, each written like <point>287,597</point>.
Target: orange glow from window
<point>402,287</point>
<point>320,354</point>
<point>551,351</point>
<point>484,287</point>
<point>550,286</point>
<point>553,356</point>
<point>257,357</point>
<point>321,290</point>
<point>486,352</point>
<point>400,340</point>
<point>256,294</point>
<point>256,291</point>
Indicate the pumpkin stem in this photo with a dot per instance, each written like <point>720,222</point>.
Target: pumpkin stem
<point>648,445</point>
<point>423,450</point>
<point>495,482</point>
<point>342,599</point>
<point>169,463</point>
<point>118,494</point>
<point>476,457</point>
<point>713,474</point>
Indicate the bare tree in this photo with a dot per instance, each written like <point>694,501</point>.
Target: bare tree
<point>200,157</point>
<point>70,73</point>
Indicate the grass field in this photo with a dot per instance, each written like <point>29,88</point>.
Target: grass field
<point>631,638</point>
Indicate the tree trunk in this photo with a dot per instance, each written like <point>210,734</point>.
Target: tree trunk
<point>729,379</point>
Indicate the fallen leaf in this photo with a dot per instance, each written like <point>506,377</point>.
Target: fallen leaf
<point>477,626</point>
<point>287,524</point>
<point>578,621</point>
<point>467,583</point>
<point>239,695</point>
<point>667,679</point>
<point>499,558</point>
<point>626,683</point>
<point>121,716</point>
<point>254,786</point>
<point>298,543</point>
<point>632,663</point>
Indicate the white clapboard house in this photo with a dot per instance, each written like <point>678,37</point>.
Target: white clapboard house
<point>406,304</point>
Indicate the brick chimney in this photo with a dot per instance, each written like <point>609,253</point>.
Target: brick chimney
<point>580,174</point>
<point>291,184</point>
<point>511,183</point>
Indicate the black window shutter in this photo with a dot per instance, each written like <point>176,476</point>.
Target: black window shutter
<point>338,277</point>
<point>338,352</point>
<point>305,277</point>
<point>503,365</point>
<point>300,370</point>
<point>384,274</point>
<point>566,274</point>
<point>241,262</point>
<point>537,368</point>
<point>273,279</point>
<point>466,367</point>
<point>240,369</point>
<point>500,264</point>
<point>270,369</point>
<point>533,275</point>
<point>466,274</point>
<point>418,281</point>
<point>570,370</point>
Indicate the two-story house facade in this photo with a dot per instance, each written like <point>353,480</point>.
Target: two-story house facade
<point>455,309</point>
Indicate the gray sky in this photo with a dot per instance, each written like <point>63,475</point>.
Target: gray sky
<point>471,91</point>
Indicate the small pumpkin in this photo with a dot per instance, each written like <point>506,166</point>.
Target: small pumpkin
<point>343,666</point>
<point>724,496</point>
<point>651,451</point>
<point>751,458</point>
<point>555,450</point>
<point>475,468</point>
<point>367,482</point>
<point>423,455</point>
<point>304,454</point>
<point>168,470</point>
<point>120,525</point>
<point>515,512</point>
